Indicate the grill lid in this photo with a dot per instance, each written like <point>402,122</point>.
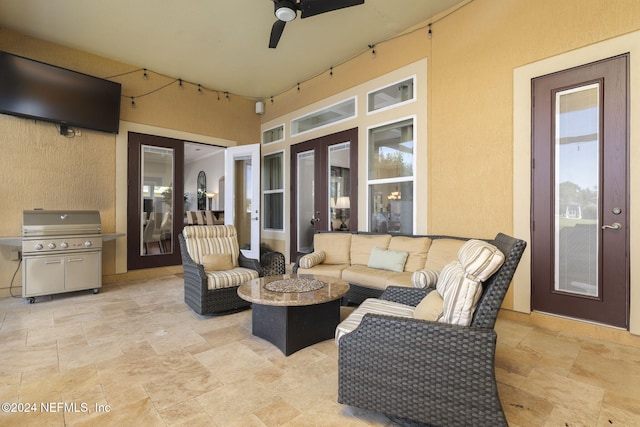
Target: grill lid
<point>54,222</point>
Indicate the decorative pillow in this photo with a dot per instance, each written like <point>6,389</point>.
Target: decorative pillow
<point>217,262</point>
<point>387,260</point>
<point>424,278</point>
<point>430,308</point>
<point>480,259</point>
<point>312,259</point>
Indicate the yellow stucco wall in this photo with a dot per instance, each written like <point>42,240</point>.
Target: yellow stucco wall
<point>471,56</point>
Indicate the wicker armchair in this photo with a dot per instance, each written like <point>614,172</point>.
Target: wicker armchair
<point>221,300</point>
<point>420,372</point>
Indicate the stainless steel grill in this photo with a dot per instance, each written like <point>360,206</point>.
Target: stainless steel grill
<point>62,252</point>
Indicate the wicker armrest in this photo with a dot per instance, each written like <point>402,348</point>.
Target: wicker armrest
<point>405,295</point>
<point>431,372</point>
<point>273,263</point>
<point>251,263</point>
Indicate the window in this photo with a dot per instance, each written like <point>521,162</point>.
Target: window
<point>275,134</point>
<point>391,95</point>
<point>390,177</point>
<point>330,115</point>
<point>273,193</point>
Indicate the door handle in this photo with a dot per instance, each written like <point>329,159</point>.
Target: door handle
<point>614,226</point>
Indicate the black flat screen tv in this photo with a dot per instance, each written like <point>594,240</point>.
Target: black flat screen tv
<point>40,91</point>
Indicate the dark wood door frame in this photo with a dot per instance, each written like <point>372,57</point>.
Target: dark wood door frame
<point>321,146</point>
<point>134,260</point>
<point>611,306</point>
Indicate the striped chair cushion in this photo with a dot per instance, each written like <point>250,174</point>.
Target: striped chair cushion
<point>211,239</point>
<point>460,284</point>
<point>460,294</point>
<point>424,278</point>
<point>371,305</point>
<point>195,218</point>
<point>480,259</point>
<point>229,278</point>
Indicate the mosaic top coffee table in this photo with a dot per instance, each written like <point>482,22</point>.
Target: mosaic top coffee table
<point>294,311</point>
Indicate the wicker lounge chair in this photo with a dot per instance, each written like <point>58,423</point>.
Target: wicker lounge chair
<point>420,372</point>
<point>198,294</point>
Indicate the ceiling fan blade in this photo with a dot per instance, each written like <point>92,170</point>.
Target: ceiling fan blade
<point>316,7</point>
<point>276,33</point>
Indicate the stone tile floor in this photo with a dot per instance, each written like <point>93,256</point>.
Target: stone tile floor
<point>135,354</point>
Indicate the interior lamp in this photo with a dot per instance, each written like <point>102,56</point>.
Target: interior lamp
<point>343,204</point>
<point>210,196</point>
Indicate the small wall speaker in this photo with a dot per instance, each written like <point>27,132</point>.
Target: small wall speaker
<point>259,107</point>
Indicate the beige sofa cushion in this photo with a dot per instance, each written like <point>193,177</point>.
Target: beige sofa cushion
<point>400,279</point>
<point>361,245</point>
<point>442,252</point>
<point>331,270</point>
<point>336,247</point>
<point>417,247</point>
<point>369,277</point>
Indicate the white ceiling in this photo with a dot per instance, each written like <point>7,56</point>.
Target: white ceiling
<point>220,44</point>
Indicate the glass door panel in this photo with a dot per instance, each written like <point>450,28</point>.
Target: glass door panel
<point>156,216</point>
<point>577,178</point>
<point>242,196</point>
<point>338,197</point>
<point>306,215</point>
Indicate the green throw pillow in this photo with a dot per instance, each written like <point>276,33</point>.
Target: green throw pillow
<point>386,259</point>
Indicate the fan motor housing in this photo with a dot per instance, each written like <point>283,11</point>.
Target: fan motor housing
<point>285,10</point>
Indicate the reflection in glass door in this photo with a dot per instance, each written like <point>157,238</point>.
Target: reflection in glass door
<point>307,218</point>
<point>577,177</point>
<point>156,219</point>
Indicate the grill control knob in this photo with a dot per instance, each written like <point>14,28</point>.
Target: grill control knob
<point>64,245</point>
<point>88,244</point>
<point>51,245</point>
<point>38,246</point>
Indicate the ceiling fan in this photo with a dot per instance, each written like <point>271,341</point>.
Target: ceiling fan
<point>286,10</point>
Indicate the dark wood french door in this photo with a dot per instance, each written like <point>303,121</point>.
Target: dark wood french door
<point>324,188</point>
<point>580,200</point>
<point>154,200</point>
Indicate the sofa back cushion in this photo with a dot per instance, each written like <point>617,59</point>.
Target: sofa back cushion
<point>336,247</point>
<point>416,247</point>
<point>362,244</point>
<point>211,239</point>
<point>442,252</point>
